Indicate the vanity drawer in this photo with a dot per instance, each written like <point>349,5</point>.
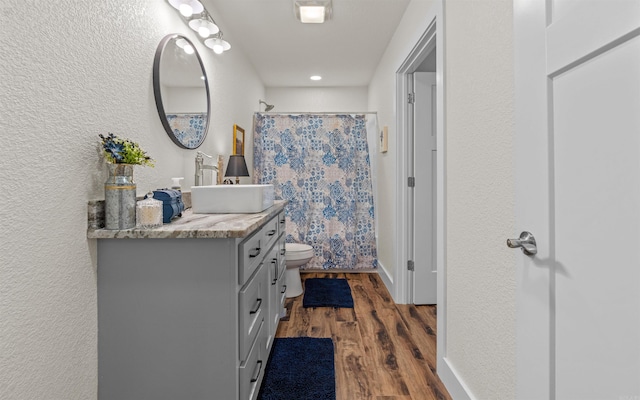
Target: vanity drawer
<point>250,254</point>
<point>252,370</point>
<point>282,255</point>
<point>282,293</point>
<point>281,223</point>
<point>271,261</point>
<point>270,232</point>
<point>252,308</point>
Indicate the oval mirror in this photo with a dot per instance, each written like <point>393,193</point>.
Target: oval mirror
<point>181,91</point>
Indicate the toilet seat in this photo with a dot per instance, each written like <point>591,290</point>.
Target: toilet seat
<point>298,251</point>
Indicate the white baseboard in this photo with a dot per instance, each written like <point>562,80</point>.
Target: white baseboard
<point>452,381</point>
<point>387,279</point>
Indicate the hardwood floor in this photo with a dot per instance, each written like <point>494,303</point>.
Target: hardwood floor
<point>383,350</point>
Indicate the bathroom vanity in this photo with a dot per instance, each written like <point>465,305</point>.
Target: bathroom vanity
<point>189,310</point>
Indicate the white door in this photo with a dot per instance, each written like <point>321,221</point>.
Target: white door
<point>424,192</point>
<point>577,155</point>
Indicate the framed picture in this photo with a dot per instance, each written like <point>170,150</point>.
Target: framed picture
<point>238,140</point>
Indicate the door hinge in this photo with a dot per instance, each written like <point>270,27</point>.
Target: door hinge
<point>411,98</point>
<point>412,181</point>
<point>411,266</point>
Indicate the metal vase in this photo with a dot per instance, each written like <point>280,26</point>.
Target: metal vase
<point>120,197</point>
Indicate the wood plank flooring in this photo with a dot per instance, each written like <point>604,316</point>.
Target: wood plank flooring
<point>383,350</point>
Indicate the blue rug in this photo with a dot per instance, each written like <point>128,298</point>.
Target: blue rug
<point>300,369</point>
<point>326,292</point>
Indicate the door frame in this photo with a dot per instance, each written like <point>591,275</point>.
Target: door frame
<point>419,166</point>
<point>432,39</point>
<point>404,85</point>
<point>534,275</point>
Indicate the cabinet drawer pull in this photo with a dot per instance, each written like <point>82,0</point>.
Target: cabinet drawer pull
<point>255,378</point>
<point>284,288</point>
<point>283,251</point>
<point>282,221</point>
<point>258,304</point>
<point>254,253</point>
<point>271,232</point>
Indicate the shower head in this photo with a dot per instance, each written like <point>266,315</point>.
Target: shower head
<point>267,107</point>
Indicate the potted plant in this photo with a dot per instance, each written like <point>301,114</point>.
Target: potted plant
<point>120,189</point>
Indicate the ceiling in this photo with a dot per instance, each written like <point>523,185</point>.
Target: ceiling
<point>285,52</point>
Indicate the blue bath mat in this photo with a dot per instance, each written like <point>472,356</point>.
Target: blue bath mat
<point>326,292</point>
<point>300,369</point>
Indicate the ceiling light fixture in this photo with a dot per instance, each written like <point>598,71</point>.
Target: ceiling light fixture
<point>313,11</point>
<point>315,77</point>
<point>187,7</point>
<point>217,44</point>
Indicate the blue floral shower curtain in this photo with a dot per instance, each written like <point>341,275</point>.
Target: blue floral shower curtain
<point>320,164</point>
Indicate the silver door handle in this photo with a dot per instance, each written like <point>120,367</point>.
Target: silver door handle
<point>526,242</point>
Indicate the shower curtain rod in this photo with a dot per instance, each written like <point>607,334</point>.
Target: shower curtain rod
<point>319,113</point>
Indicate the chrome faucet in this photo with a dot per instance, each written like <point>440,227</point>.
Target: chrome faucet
<point>200,167</point>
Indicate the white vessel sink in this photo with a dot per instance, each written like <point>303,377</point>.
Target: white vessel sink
<point>234,199</point>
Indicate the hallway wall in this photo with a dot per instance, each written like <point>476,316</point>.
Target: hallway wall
<point>316,99</point>
<point>76,70</point>
<point>480,195</point>
<point>479,184</point>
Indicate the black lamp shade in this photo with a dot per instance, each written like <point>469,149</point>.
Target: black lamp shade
<point>237,166</point>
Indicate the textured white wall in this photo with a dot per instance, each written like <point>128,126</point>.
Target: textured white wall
<point>382,98</point>
<point>480,195</point>
<point>321,99</point>
<point>76,70</point>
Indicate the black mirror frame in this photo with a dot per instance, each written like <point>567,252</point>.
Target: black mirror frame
<point>158,95</point>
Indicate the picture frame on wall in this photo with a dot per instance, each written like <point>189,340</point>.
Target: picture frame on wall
<point>238,140</point>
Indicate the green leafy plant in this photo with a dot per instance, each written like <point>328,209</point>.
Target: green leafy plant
<point>124,151</point>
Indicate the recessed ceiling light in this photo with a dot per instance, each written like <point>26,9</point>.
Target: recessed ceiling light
<point>313,11</point>
<point>315,77</point>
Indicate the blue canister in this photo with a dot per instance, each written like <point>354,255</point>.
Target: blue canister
<point>172,205</point>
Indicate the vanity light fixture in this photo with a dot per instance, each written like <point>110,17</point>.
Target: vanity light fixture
<point>198,18</point>
<point>217,44</point>
<point>187,7</point>
<point>313,11</point>
<point>204,27</point>
<point>186,46</point>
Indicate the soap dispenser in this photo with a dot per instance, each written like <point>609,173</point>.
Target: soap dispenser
<point>175,185</point>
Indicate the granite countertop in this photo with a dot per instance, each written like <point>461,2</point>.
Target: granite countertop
<point>190,225</point>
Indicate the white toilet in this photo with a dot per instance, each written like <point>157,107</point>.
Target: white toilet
<point>296,255</point>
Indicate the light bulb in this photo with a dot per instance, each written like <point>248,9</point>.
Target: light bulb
<point>204,31</point>
<point>189,49</point>
<point>186,9</point>
<point>218,48</point>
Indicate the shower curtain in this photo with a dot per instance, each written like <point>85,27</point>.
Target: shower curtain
<point>320,164</point>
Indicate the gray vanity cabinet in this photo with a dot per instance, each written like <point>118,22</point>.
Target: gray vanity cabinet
<point>188,318</point>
